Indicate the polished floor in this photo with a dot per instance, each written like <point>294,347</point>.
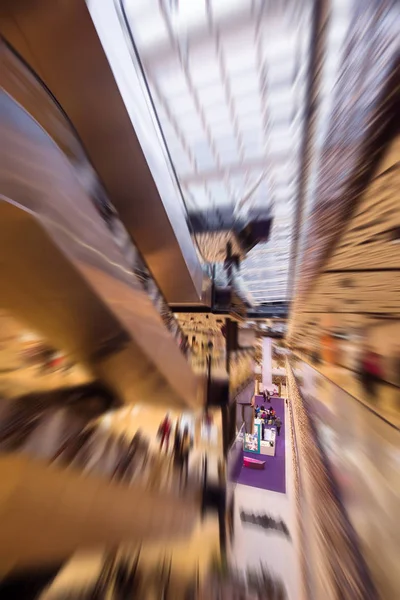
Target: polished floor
<point>254,545</point>
<point>385,402</point>
<point>364,452</point>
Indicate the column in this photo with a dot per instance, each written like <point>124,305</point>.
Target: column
<point>267,364</point>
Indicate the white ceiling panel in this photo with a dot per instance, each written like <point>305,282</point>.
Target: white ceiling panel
<point>229,85</point>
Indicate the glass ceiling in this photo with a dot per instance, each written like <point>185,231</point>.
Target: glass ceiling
<point>228,80</point>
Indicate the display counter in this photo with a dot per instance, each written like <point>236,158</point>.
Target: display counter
<point>268,441</point>
<point>268,444</point>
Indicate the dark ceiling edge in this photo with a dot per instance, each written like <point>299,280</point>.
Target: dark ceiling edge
<point>48,91</point>
<point>317,49</point>
<point>71,125</point>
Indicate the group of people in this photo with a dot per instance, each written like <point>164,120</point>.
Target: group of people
<point>268,416</point>
<point>182,444</point>
<point>201,348</point>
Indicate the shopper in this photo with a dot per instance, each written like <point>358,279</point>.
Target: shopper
<point>164,431</point>
<point>263,417</point>
<point>262,413</point>
<point>177,444</point>
<point>185,345</point>
<point>278,425</point>
<point>207,423</point>
<point>186,444</point>
<point>371,372</point>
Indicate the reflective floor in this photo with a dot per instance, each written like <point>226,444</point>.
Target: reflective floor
<point>364,452</point>
<point>257,545</point>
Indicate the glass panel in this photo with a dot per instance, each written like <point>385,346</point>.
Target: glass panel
<point>233,125</point>
<point>212,95</point>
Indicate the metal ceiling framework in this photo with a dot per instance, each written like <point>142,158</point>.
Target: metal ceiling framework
<point>356,134</point>
<point>366,116</point>
<point>228,81</point>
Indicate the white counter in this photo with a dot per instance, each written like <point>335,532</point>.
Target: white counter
<point>265,446</point>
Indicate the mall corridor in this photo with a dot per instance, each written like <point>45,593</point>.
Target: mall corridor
<point>266,529</point>
<point>199,305</point>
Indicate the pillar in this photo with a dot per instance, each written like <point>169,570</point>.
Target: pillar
<point>267,364</point>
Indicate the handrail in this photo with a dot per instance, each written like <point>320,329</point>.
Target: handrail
<point>298,486</point>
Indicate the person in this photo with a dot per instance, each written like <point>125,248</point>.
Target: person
<point>257,411</point>
<point>186,444</point>
<point>262,413</point>
<point>315,359</point>
<point>271,415</point>
<point>263,416</point>
<point>278,425</point>
<point>371,372</point>
<point>207,418</point>
<point>177,444</point>
<point>207,422</point>
<point>185,345</point>
<point>164,431</point>
<point>141,445</point>
<point>268,396</point>
<point>264,395</point>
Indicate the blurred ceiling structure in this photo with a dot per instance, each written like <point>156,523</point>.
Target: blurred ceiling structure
<point>229,80</point>
<point>358,288</point>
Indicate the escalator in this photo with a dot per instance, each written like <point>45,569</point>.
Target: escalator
<point>81,292</point>
<point>118,135</point>
<point>68,274</point>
